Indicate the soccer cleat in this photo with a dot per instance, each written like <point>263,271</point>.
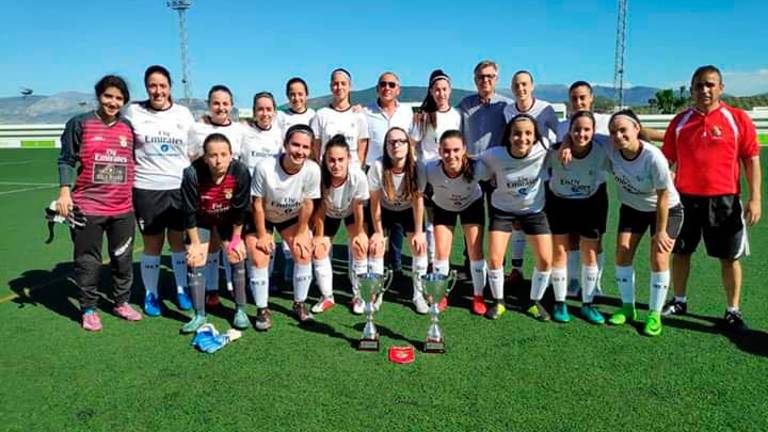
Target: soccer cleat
<point>574,288</point>
<point>514,277</point>
<point>478,305</point>
<point>627,313</point>
<point>91,321</point>
<point>195,323</point>
<point>126,312</point>
<point>420,305</point>
<point>263,321</point>
<point>734,322</point>
<point>592,315</point>
<point>652,324</point>
<point>560,313</point>
<point>496,310</point>
<point>358,307</point>
<point>538,311</point>
<point>302,314</point>
<point>443,304</point>
<point>323,305</point>
<point>151,305</point>
<point>212,299</point>
<point>674,307</point>
<point>185,303</point>
<point>240,321</point>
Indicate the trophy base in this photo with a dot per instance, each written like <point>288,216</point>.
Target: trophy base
<point>433,346</point>
<point>368,345</point>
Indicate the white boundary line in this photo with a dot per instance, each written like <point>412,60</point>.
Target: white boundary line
<point>14,183</point>
<point>26,190</point>
<point>18,163</point>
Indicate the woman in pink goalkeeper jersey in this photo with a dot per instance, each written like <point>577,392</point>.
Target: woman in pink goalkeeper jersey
<point>100,145</point>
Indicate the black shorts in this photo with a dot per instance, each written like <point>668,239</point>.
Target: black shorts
<point>223,230</point>
<point>157,210</point>
<point>719,220</point>
<point>331,225</point>
<point>249,227</point>
<point>586,217</point>
<point>404,218</point>
<point>531,224</point>
<point>472,215</point>
<point>637,222</point>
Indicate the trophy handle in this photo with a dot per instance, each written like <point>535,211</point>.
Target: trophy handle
<point>388,276</point>
<point>453,275</point>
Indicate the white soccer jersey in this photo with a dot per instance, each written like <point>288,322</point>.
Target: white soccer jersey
<point>260,143</point>
<point>640,178</point>
<point>329,122</point>
<point>580,178</point>
<point>200,131</point>
<point>379,124</point>
<point>288,118</point>
<point>429,137</point>
<point>542,111</point>
<point>161,144</point>
<point>601,127</point>
<point>284,194</point>
<point>519,182</point>
<point>376,183</point>
<point>338,202</point>
<point>450,193</point>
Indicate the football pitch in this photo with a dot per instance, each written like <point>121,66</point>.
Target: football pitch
<point>511,374</point>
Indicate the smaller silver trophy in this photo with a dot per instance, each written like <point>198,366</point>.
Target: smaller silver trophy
<point>436,286</point>
<point>371,286</point>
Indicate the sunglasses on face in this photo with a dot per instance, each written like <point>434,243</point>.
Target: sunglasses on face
<point>396,142</point>
<point>485,77</point>
<point>385,84</point>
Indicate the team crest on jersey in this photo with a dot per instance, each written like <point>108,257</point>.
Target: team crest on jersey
<point>716,131</point>
<point>123,141</point>
<point>228,193</point>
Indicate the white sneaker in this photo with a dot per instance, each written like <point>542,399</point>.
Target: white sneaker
<point>421,305</point>
<point>358,307</point>
<point>323,305</point>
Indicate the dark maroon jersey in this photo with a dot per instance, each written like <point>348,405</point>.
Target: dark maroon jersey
<point>209,204</point>
<point>103,155</point>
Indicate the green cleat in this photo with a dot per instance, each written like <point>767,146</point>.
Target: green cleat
<point>592,315</point>
<point>627,313</point>
<point>560,313</point>
<point>538,311</point>
<point>652,324</point>
<point>241,321</point>
<point>195,323</point>
<point>496,310</point>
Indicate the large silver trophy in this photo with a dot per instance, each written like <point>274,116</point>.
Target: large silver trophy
<point>371,287</point>
<point>436,287</point>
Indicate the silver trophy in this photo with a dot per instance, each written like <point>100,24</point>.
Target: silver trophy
<point>436,287</point>
<point>371,286</point>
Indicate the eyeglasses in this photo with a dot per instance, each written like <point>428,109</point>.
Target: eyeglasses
<point>396,142</point>
<point>390,84</point>
<point>485,77</point>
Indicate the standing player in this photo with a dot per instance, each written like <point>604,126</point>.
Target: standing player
<point>395,198</point>
<point>648,200</point>
<point>283,188</point>
<point>456,194</point>
<point>482,114</point>
<point>705,144</point>
<point>162,153</point>
<point>435,117</point>
<point>518,169</point>
<point>100,144</point>
<point>215,192</point>
<point>298,113</point>
<point>344,193</point>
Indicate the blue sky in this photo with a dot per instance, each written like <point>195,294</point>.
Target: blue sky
<point>52,45</point>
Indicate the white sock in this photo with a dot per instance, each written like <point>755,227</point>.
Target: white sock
<point>227,270</point>
<point>496,282</point>
<point>539,282</point>
<point>212,272</point>
<point>360,265</point>
<point>179,265</point>
<point>260,286</point>
<point>324,276</point>
<point>429,230</point>
<point>574,265</point>
<point>302,278</point>
<point>150,272</point>
<point>600,266</point>
<point>376,265</point>
<point>625,279</point>
<point>478,276</point>
<point>419,269</point>
<point>659,288</point>
<point>559,283</point>
<point>442,266</point>
<point>588,283</point>
<point>518,246</point>
<point>681,299</point>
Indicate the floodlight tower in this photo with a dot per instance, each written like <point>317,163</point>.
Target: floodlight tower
<point>618,71</point>
<point>181,7</point>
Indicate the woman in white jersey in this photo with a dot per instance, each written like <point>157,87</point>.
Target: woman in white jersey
<point>283,189</point>
<point>298,112</point>
<point>263,137</point>
<point>162,153</point>
<point>340,118</point>
<point>577,202</point>
<point>344,194</point>
<point>218,120</point>
<point>395,198</point>
<point>648,200</point>
<point>456,193</point>
<point>518,168</point>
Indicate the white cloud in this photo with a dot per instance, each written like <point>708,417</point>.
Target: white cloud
<point>746,83</point>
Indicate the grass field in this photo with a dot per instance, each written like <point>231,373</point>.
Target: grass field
<point>511,374</point>
<point>763,138</point>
